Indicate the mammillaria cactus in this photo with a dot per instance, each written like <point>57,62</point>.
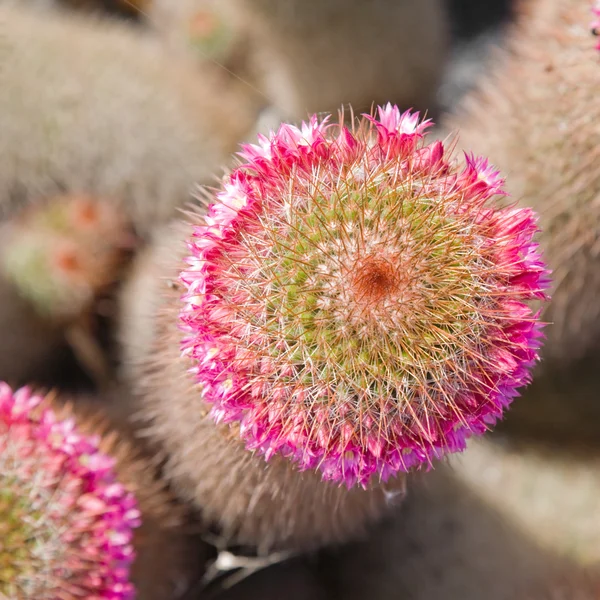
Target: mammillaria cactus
<point>354,304</point>
<point>59,255</point>
<point>66,522</point>
<point>68,480</point>
<point>548,87</point>
<point>117,121</point>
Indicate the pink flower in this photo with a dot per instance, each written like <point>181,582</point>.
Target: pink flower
<point>356,301</point>
<point>66,522</point>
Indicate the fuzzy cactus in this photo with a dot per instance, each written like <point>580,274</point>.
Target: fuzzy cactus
<point>352,304</point>
<point>553,498</point>
<point>118,121</point>
<point>84,464</point>
<point>444,542</point>
<point>61,254</point>
<point>304,60</point>
<point>66,522</point>
<point>538,118</point>
<point>169,559</point>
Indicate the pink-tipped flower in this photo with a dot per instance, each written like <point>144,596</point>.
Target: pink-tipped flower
<point>355,301</point>
<point>596,22</point>
<point>65,522</point>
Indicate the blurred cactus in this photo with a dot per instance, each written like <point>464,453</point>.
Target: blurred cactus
<point>61,254</point>
<point>65,521</point>
<point>116,121</point>
<point>305,58</point>
<point>538,118</point>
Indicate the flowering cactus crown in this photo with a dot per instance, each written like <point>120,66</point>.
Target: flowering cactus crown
<point>65,523</point>
<point>355,303</point>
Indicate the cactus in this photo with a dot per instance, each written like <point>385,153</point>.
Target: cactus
<point>121,121</point>
<point>538,118</point>
<point>116,121</point>
<point>203,27</point>
<point>304,327</point>
<point>168,558</point>
<point>306,60</point>
<point>62,254</point>
<point>79,457</point>
<point>66,522</point>
<point>445,542</point>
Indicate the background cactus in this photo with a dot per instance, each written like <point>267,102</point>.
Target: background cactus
<point>61,255</point>
<point>61,459</point>
<point>122,122</point>
<point>203,28</point>
<point>66,521</point>
<point>169,557</point>
<point>444,541</point>
<point>305,60</point>
<point>117,121</point>
<point>551,497</point>
<point>538,118</point>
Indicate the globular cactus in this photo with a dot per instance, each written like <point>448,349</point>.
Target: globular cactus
<point>82,513</point>
<point>538,118</point>
<point>304,59</point>
<point>66,521</point>
<point>353,307</point>
<point>61,254</point>
<point>169,558</point>
<point>117,121</point>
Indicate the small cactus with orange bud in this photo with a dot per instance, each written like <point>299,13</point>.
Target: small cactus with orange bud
<point>59,255</point>
<point>210,34</point>
<point>207,32</point>
<point>150,131</point>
